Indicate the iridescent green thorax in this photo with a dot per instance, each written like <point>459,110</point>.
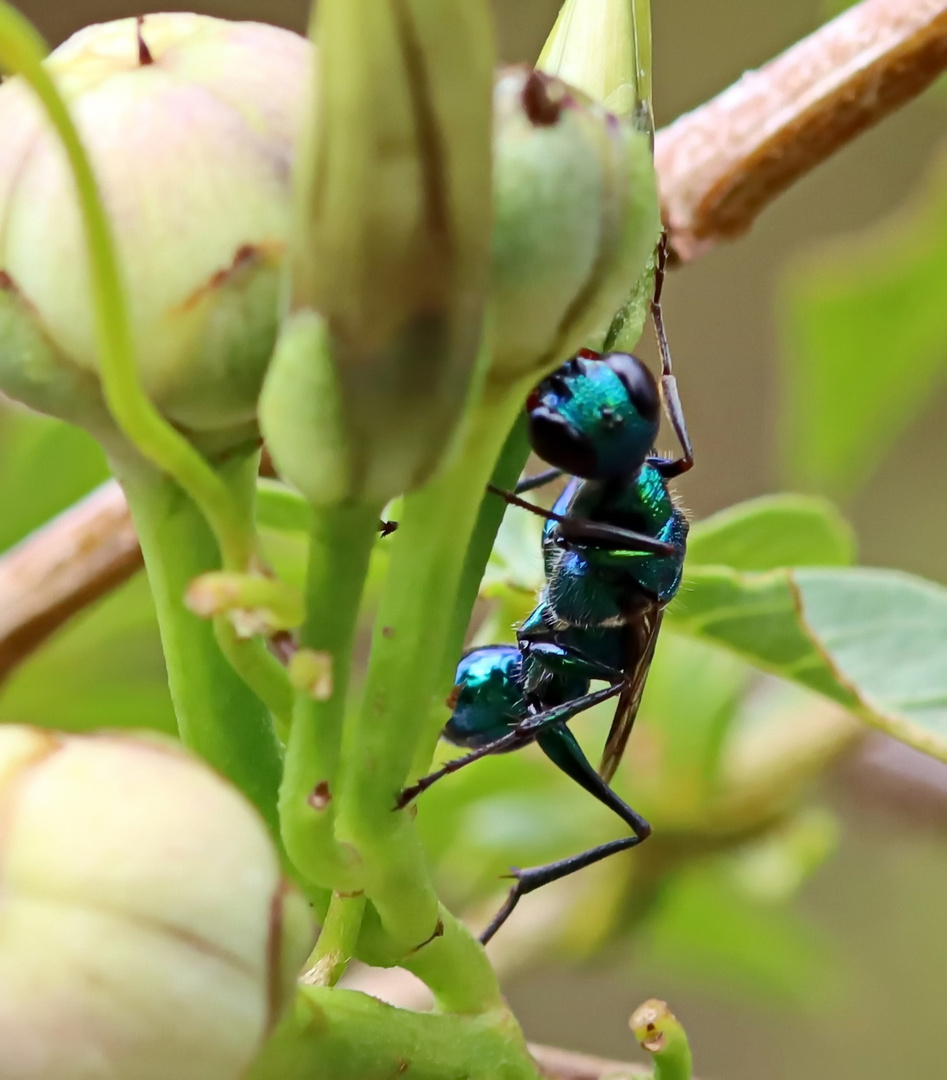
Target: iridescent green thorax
<point>643,504</point>
<point>594,585</point>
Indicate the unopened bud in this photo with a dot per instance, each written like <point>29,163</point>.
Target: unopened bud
<point>392,250</point>
<point>190,124</point>
<point>146,931</point>
<point>603,47</point>
<point>577,221</point>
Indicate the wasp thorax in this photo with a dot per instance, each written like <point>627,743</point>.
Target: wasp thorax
<point>596,416</point>
<point>146,931</point>
<point>577,220</point>
<point>190,124</point>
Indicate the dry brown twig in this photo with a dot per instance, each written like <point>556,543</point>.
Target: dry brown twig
<point>722,163</point>
<point>719,166</point>
<point>59,569</point>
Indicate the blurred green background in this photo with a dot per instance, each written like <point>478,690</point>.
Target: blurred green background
<point>845,977</point>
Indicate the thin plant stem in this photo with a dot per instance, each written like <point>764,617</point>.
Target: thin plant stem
<point>505,474</point>
<point>414,617</point>
<point>337,940</point>
<point>335,1034</point>
<point>219,717</point>
<point>662,1035</point>
<point>341,541</point>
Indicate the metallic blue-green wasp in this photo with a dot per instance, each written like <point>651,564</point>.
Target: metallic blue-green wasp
<point>613,548</point>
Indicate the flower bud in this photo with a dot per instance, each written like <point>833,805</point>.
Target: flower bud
<point>393,243</point>
<point>603,47</point>
<point>145,930</point>
<point>577,220</point>
<point>189,123</point>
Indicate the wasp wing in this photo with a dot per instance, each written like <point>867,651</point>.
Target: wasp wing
<point>642,632</point>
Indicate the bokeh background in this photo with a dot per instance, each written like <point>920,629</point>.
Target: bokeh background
<point>846,976</point>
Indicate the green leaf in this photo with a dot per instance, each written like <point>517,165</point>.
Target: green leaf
<point>690,704</point>
<point>865,342</point>
<point>775,530</point>
<point>872,640</point>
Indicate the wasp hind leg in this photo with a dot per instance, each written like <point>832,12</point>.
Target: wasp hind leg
<point>536,877</point>
<point>559,745</point>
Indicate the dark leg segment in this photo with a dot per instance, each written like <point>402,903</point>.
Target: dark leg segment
<point>560,746</point>
<point>581,531</point>
<point>669,393</point>
<point>528,881</point>
<point>537,480</point>
<point>524,732</point>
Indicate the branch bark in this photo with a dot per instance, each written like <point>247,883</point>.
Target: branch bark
<point>719,166</point>
<point>63,566</point>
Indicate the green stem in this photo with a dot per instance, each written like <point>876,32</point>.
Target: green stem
<point>341,541</point>
<point>260,670</point>
<point>22,50</point>
<point>273,604</point>
<point>345,1035</point>
<point>506,473</point>
<point>337,940</point>
<point>218,715</point>
<point>414,618</point>
<point>661,1034</point>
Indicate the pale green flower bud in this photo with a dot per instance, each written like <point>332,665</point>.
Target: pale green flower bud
<point>577,221</point>
<point>392,250</point>
<point>146,931</point>
<point>603,47</point>
<point>190,128</point>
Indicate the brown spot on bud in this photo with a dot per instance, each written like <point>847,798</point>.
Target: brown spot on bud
<point>541,103</point>
<point>144,53</point>
<point>387,631</point>
<point>321,796</point>
<point>245,256</point>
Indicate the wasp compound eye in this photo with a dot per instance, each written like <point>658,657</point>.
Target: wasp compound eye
<point>639,384</point>
<point>557,441</point>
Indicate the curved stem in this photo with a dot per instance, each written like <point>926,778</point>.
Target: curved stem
<point>344,1035</point>
<point>337,940</point>
<point>218,715</point>
<point>264,675</point>
<point>505,474</point>
<point>341,541</point>
<point>660,1032</point>
<point>399,703</point>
